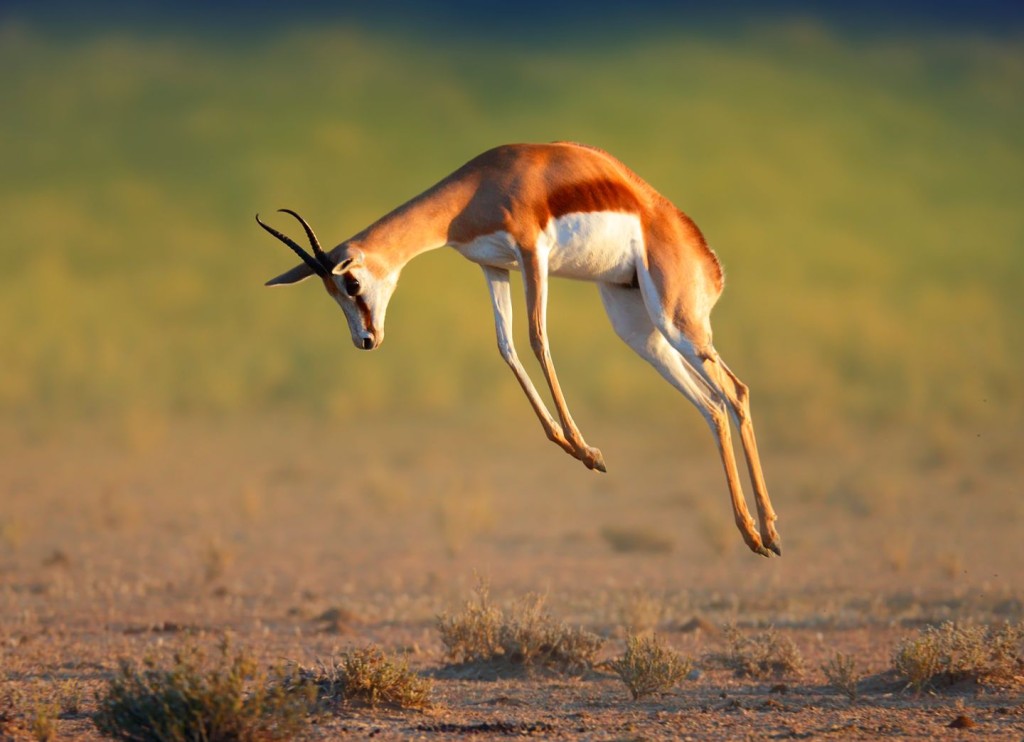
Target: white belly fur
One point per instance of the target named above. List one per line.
(601, 246)
(496, 249)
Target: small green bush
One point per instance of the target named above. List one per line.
(366, 676)
(762, 655)
(951, 653)
(637, 540)
(522, 639)
(223, 700)
(43, 722)
(650, 667)
(841, 672)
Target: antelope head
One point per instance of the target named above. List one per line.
(360, 284)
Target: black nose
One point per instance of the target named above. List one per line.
(367, 343)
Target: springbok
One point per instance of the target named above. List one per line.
(569, 210)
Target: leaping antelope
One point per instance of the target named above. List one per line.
(574, 211)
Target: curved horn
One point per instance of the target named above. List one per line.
(323, 257)
(308, 259)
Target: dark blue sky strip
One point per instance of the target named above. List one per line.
(514, 21)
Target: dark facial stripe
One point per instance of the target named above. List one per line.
(361, 305)
(364, 313)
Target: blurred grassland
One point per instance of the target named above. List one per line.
(866, 199)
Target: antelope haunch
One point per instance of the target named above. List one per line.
(568, 210)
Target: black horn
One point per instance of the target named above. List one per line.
(318, 252)
(320, 265)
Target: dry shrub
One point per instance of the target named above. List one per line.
(637, 540)
(465, 511)
(762, 655)
(951, 653)
(70, 693)
(216, 559)
(29, 713)
(841, 672)
(525, 638)
(228, 698)
(42, 723)
(366, 676)
(641, 613)
(650, 667)
(8, 712)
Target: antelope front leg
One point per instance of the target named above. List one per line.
(501, 302)
(535, 279)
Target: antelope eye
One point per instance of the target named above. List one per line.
(352, 286)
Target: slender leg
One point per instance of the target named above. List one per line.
(501, 301)
(738, 395)
(535, 278)
(632, 323)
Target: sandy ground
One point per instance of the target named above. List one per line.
(302, 539)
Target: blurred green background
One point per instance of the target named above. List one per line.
(861, 184)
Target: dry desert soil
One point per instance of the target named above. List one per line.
(301, 539)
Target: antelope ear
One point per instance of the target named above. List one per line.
(355, 258)
(296, 275)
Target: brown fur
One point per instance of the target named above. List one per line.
(519, 189)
